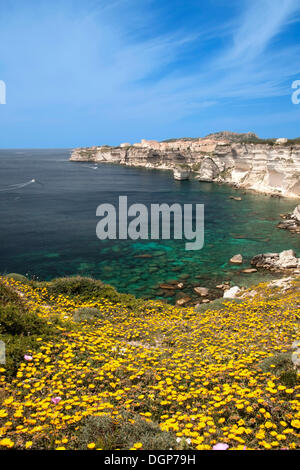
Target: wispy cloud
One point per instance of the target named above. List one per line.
(261, 21)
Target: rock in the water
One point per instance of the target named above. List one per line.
(232, 292)
(166, 286)
(181, 174)
(172, 285)
(291, 221)
(296, 213)
(286, 260)
(203, 291)
(236, 259)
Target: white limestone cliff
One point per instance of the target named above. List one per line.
(270, 167)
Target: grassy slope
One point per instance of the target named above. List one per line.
(145, 374)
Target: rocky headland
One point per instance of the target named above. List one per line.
(269, 166)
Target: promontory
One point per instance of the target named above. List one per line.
(270, 166)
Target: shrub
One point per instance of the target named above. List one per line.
(19, 329)
(120, 433)
(85, 288)
(217, 304)
(281, 365)
(281, 361)
(8, 295)
(87, 313)
(17, 321)
(15, 349)
(18, 277)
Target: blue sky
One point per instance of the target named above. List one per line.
(94, 72)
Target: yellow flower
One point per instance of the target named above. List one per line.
(7, 443)
(296, 423)
(138, 445)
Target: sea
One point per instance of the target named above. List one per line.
(48, 226)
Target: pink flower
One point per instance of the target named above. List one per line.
(220, 446)
(27, 358)
(55, 400)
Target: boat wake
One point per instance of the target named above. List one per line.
(14, 187)
(94, 167)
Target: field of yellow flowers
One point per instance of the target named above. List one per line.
(156, 376)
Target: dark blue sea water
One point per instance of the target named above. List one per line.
(48, 227)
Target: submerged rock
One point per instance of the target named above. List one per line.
(202, 291)
(236, 259)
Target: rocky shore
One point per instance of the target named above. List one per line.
(241, 160)
(291, 221)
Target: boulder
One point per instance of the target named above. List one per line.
(287, 259)
(202, 291)
(183, 301)
(296, 213)
(277, 261)
(231, 293)
(181, 174)
(236, 259)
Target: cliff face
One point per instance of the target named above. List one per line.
(267, 167)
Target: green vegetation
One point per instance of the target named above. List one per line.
(19, 328)
(110, 433)
(148, 375)
(18, 277)
(87, 313)
(87, 289)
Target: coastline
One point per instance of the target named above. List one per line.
(271, 168)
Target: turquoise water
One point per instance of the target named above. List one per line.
(48, 227)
